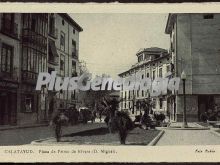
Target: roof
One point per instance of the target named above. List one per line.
(71, 21)
(151, 49)
(136, 65)
(170, 21)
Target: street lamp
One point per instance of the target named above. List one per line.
(183, 77)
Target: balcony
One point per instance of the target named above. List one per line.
(54, 60)
(53, 32)
(29, 36)
(29, 76)
(9, 73)
(9, 28)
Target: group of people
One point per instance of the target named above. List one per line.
(117, 121)
(212, 114)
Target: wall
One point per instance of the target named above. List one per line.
(191, 107)
(205, 54)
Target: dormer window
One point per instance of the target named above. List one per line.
(140, 58)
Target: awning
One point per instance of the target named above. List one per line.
(52, 47)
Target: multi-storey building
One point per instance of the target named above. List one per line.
(63, 57)
(194, 48)
(33, 60)
(152, 62)
(31, 43)
(10, 26)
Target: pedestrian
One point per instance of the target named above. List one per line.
(204, 117)
(59, 120)
(93, 115)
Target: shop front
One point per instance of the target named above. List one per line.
(8, 102)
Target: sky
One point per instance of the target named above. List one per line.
(109, 42)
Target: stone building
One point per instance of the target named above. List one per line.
(31, 43)
(152, 62)
(63, 57)
(10, 32)
(194, 47)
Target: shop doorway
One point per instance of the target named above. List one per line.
(8, 107)
(3, 108)
(205, 102)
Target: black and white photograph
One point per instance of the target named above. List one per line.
(110, 79)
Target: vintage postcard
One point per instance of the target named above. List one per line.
(109, 82)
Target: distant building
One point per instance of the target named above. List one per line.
(152, 62)
(194, 47)
(31, 43)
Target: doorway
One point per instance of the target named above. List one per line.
(204, 103)
(3, 108)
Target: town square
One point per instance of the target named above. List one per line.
(114, 79)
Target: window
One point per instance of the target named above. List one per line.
(73, 95)
(33, 24)
(147, 57)
(154, 103)
(208, 16)
(125, 94)
(125, 105)
(160, 72)
(25, 58)
(142, 76)
(73, 48)
(74, 31)
(140, 58)
(74, 69)
(62, 63)
(52, 25)
(63, 22)
(29, 104)
(148, 75)
(73, 43)
(142, 93)
(161, 103)
(8, 22)
(153, 74)
(62, 41)
(6, 58)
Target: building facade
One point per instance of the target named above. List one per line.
(10, 75)
(194, 47)
(63, 57)
(152, 63)
(31, 43)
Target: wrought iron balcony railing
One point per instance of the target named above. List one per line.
(29, 76)
(53, 60)
(29, 36)
(53, 32)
